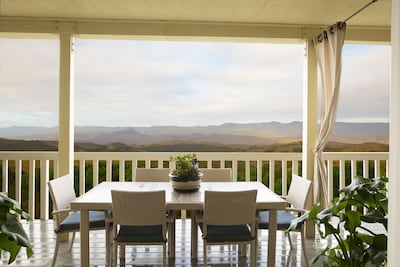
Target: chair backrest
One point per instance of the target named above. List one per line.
(138, 208)
(229, 208)
(216, 175)
(152, 175)
(298, 192)
(62, 191)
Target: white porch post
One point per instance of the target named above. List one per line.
(310, 117)
(394, 142)
(66, 106)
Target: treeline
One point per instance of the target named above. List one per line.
(37, 145)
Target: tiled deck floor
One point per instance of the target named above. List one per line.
(42, 236)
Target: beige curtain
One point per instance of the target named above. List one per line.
(328, 48)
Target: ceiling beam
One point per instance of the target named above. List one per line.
(181, 30)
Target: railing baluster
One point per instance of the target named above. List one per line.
(377, 168)
(342, 174)
(366, 168)
(82, 177)
(235, 170)
(295, 167)
(272, 175)
(353, 169)
(387, 168)
(330, 179)
(4, 186)
(31, 192)
(247, 170)
(95, 172)
(134, 166)
(122, 170)
(18, 178)
(109, 170)
(259, 170)
(44, 191)
(284, 178)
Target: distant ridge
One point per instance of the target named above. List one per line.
(266, 133)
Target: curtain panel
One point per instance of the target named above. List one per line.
(328, 48)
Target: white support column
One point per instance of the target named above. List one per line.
(310, 119)
(394, 142)
(66, 106)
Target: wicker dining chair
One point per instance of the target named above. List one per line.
(160, 175)
(62, 192)
(216, 175)
(152, 175)
(229, 218)
(139, 218)
(297, 197)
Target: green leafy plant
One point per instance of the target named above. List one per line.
(12, 234)
(343, 221)
(186, 165)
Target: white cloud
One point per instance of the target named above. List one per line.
(144, 83)
(365, 84)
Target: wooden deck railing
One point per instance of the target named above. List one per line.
(24, 174)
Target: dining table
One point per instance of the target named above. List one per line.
(99, 198)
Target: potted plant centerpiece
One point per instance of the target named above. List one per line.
(186, 176)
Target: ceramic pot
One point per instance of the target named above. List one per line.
(185, 183)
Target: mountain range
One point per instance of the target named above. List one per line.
(229, 133)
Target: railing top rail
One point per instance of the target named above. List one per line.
(53, 155)
(200, 155)
(28, 155)
(355, 155)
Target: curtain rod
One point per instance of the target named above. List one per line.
(361, 9)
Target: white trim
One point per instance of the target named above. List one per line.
(66, 106)
(394, 142)
(183, 30)
(310, 117)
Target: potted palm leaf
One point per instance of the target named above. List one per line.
(12, 234)
(363, 201)
(186, 176)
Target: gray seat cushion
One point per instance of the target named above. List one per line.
(283, 222)
(72, 222)
(140, 234)
(228, 233)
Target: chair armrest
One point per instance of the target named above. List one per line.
(171, 216)
(57, 212)
(56, 216)
(108, 217)
(296, 210)
(199, 216)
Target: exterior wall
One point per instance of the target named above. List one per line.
(394, 142)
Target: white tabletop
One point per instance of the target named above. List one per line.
(99, 198)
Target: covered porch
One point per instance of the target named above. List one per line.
(250, 21)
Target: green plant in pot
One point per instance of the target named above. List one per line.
(345, 222)
(12, 234)
(186, 176)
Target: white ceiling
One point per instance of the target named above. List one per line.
(292, 12)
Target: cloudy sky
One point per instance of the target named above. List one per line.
(146, 83)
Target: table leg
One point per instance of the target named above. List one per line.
(84, 227)
(193, 236)
(171, 235)
(272, 237)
